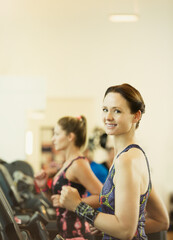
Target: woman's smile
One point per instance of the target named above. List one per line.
(110, 125)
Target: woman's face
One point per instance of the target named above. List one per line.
(60, 138)
(116, 114)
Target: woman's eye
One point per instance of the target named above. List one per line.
(117, 111)
(105, 110)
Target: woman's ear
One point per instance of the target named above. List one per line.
(71, 136)
(137, 116)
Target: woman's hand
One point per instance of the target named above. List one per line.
(69, 198)
(95, 231)
(55, 200)
(41, 179)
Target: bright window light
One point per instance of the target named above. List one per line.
(29, 143)
(123, 18)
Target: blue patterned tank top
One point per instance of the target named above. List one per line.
(107, 199)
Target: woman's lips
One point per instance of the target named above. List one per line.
(110, 125)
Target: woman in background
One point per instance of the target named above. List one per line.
(130, 206)
(70, 137)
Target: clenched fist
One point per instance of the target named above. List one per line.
(55, 200)
(69, 198)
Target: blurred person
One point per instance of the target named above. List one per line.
(98, 169)
(130, 205)
(69, 137)
(53, 166)
(100, 143)
(106, 144)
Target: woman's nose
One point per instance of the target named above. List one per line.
(109, 116)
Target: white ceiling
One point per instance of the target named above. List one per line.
(77, 50)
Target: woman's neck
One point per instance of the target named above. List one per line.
(120, 143)
(72, 153)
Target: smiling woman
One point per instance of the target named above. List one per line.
(130, 205)
(121, 105)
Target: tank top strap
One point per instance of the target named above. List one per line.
(73, 161)
(137, 146)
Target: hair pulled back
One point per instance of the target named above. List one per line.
(131, 94)
(76, 125)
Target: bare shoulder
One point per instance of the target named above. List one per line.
(78, 169)
(131, 155)
(132, 158)
(80, 163)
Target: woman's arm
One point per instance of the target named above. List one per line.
(41, 182)
(83, 174)
(157, 218)
(123, 224)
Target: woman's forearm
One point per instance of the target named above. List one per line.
(92, 200)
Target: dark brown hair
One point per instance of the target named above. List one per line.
(131, 94)
(76, 125)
